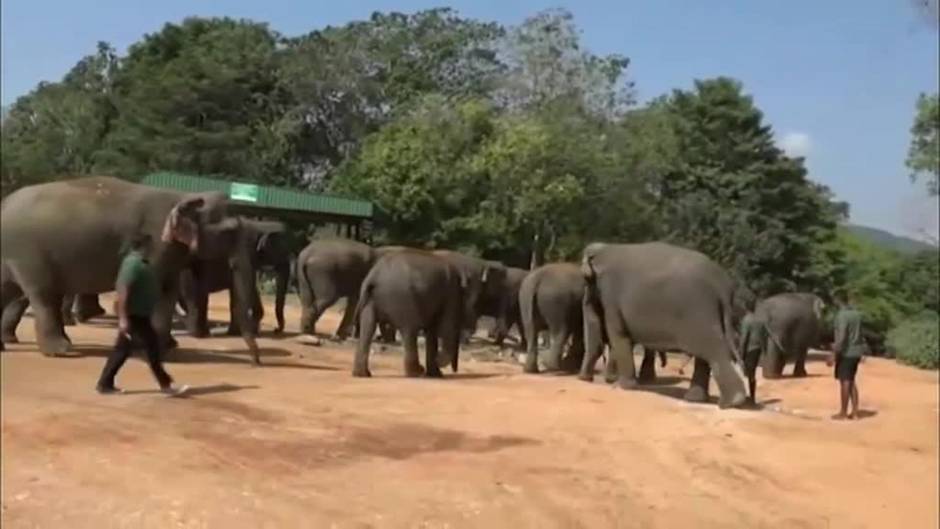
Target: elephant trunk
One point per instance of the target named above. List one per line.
(245, 286)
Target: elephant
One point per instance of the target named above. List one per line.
(269, 249)
(330, 269)
(68, 237)
(794, 324)
(486, 285)
(550, 297)
(665, 297)
(415, 291)
(514, 277)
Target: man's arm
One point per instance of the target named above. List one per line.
(838, 343)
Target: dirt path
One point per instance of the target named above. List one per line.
(300, 443)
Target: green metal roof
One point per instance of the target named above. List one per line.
(264, 197)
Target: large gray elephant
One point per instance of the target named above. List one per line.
(269, 250)
(666, 298)
(330, 269)
(513, 318)
(550, 298)
(794, 324)
(414, 291)
(68, 237)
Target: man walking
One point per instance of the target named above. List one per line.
(847, 351)
(752, 346)
(137, 294)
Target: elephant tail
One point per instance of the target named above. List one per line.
(725, 308)
(527, 309)
(365, 294)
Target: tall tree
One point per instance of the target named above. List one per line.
(57, 129)
(735, 196)
(193, 97)
(923, 156)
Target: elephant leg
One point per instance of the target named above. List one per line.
(366, 332)
(621, 349)
(87, 307)
(68, 319)
(648, 367)
(575, 356)
(342, 331)
(611, 373)
(593, 338)
(12, 314)
(799, 364)
(772, 366)
(560, 337)
(234, 329)
(409, 339)
(50, 332)
(430, 353)
(701, 378)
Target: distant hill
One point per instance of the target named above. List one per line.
(889, 241)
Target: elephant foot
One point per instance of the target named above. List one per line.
(610, 378)
(530, 369)
(9, 338)
(339, 338)
(56, 346)
(626, 383)
(737, 400)
(361, 372)
(587, 377)
(412, 371)
(799, 372)
(68, 320)
(170, 343)
(434, 372)
(768, 375)
(233, 331)
(278, 330)
(82, 317)
(696, 394)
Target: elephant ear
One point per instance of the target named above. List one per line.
(818, 307)
(180, 225)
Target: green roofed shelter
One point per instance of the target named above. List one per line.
(269, 201)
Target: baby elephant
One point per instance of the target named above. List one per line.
(413, 290)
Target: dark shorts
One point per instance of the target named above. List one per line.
(846, 368)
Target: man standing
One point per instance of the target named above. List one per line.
(752, 346)
(847, 351)
(137, 294)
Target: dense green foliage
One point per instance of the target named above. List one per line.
(916, 342)
(923, 157)
(515, 143)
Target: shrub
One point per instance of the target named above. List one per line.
(915, 342)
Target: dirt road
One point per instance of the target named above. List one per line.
(300, 443)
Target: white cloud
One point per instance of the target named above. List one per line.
(796, 144)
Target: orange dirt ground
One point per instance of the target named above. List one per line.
(300, 443)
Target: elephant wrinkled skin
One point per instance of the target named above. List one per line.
(794, 324)
(550, 298)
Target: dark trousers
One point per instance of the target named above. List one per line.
(141, 329)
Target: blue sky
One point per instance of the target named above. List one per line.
(837, 79)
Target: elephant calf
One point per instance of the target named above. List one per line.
(414, 290)
(550, 297)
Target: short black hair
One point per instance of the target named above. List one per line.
(140, 241)
(841, 296)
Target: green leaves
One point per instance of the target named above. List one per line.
(923, 157)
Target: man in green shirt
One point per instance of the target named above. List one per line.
(752, 345)
(137, 293)
(847, 350)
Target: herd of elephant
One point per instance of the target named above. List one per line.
(62, 244)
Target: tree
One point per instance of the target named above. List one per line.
(195, 97)
(732, 194)
(923, 156)
(346, 82)
(547, 64)
(57, 129)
